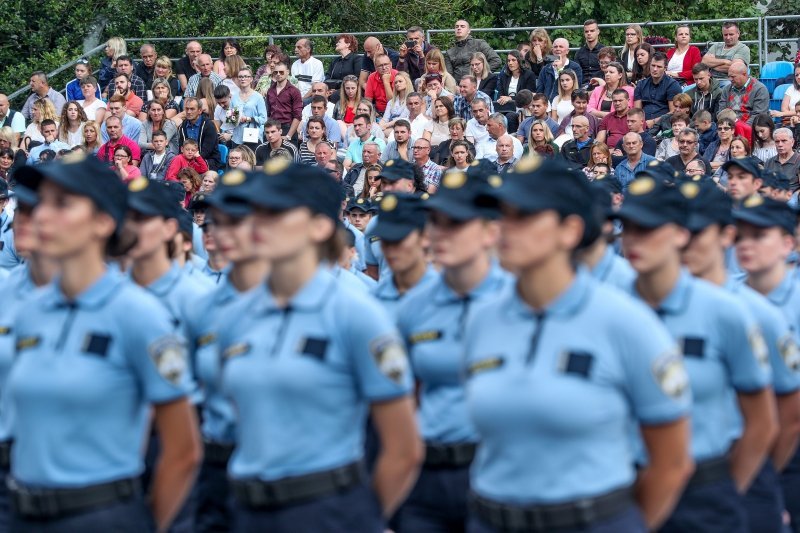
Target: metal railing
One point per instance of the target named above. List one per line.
(767, 40)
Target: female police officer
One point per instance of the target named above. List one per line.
(94, 352)
(302, 366)
(230, 222)
(724, 353)
(431, 320)
(711, 223)
(560, 367)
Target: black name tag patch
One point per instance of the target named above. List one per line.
(97, 344)
(578, 363)
(694, 347)
(313, 347)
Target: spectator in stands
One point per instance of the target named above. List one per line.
(720, 56)
(457, 128)
(615, 124)
(146, 68)
(6, 164)
(349, 97)
(790, 98)
(706, 128)
(379, 89)
(18, 155)
(669, 147)
(635, 125)
(11, 118)
(91, 137)
(284, 101)
(396, 107)
(467, 93)
(787, 161)
(42, 110)
(130, 126)
(70, 127)
(681, 103)
(242, 157)
(416, 115)
(230, 47)
(718, 153)
(115, 47)
(323, 153)
(162, 93)
(412, 57)
(654, 94)
(264, 72)
(401, 146)
(51, 142)
(496, 126)
(319, 105)
(635, 160)
(156, 161)
(371, 189)
(540, 140)
(93, 107)
(163, 71)
(187, 65)
(513, 78)
(706, 92)
(133, 104)
(586, 56)
(682, 57)
(363, 130)
(156, 120)
(457, 58)
(432, 84)
(232, 64)
(191, 181)
(434, 64)
(205, 68)
(600, 102)
(437, 130)
(599, 161)
(641, 70)
(576, 152)
(365, 107)
(307, 68)
(541, 46)
(580, 103)
(356, 176)
(763, 137)
(73, 88)
(687, 148)
(627, 57)
(561, 106)
(136, 85)
(476, 126)
(548, 77)
(123, 164)
(348, 64)
(205, 93)
(314, 134)
(746, 96)
(505, 159)
(431, 172)
(538, 109)
(189, 157)
(116, 137)
(202, 130)
(251, 107)
(319, 88)
(485, 79)
(41, 90)
(605, 57)
(460, 156)
(372, 49)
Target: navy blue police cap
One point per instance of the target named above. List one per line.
(708, 205)
(25, 196)
(151, 198)
(749, 164)
(776, 180)
(652, 202)
(660, 170)
(766, 213)
(176, 189)
(359, 204)
(466, 195)
(397, 169)
(4, 192)
(185, 222)
(84, 175)
(400, 214)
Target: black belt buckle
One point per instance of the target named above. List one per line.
(33, 502)
(585, 511)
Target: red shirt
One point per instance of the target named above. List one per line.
(133, 103)
(179, 162)
(375, 91)
(616, 128)
(286, 105)
(106, 152)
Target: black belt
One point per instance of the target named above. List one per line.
(216, 453)
(449, 455)
(53, 503)
(5, 455)
(256, 493)
(541, 518)
(710, 470)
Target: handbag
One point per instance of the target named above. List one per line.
(250, 135)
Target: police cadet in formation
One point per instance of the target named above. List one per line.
(560, 368)
(398, 176)
(723, 349)
(182, 253)
(431, 320)
(9, 255)
(404, 241)
(363, 207)
(21, 285)
(303, 365)
(711, 223)
(764, 241)
(96, 356)
(230, 221)
(604, 263)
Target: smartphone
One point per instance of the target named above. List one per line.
(411, 44)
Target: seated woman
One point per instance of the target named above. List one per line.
(241, 157)
(682, 57)
(627, 57)
(599, 157)
(372, 182)
(230, 47)
(460, 155)
(115, 47)
(396, 107)
(18, 156)
(641, 69)
(614, 78)
(191, 182)
(347, 64)
(669, 147)
(718, 152)
(41, 110)
(541, 47)
(541, 141)
(349, 97)
(162, 93)
(93, 107)
(205, 92)
(561, 107)
(123, 163)
(163, 71)
(155, 120)
(763, 142)
(265, 70)
(437, 130)
(513, 78)
(435, 64)
(70, 129)
(487, 80)
(315, 134)
(457, 127)
(91, 138)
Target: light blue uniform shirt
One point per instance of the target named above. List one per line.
(360, 244)
(387, 294)
(554, 393)
(373, 253)
(724, 352)
(302, 378)
(8, 252)
(368, 282)
(348, 280)
(614, 270)
(431, 320)
(786, 296)
(197, 242)
(86, 374)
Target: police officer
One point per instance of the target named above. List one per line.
(765, 230)
(9, 258)
(94, 353)
(398, 176)
(362, 206)
(302, 365)
(229, 220)
(711, 223)
(431, 319)
(560, 367)
(724, 352)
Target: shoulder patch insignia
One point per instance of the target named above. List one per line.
(169, 355)
(235, 350)
(205, 340)
(390, 356)
(670, 374)
(759, 347)
(790, 353)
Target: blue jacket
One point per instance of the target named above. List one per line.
(547, 82)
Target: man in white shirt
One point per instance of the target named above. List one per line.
(306, 69)
(318, 88)
(476, 126)
(496, 127)
(416, 115)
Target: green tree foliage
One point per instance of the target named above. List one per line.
(783, 28)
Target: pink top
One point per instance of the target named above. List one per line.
(597, 97)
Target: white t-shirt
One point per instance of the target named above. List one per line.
(476, 132)
(418, 126)
(75, 138)
(440, 132)
(219, 115)
(488, 149)
(794, 96)
(307, 73)
(676, 63)
(563, 108)
(512, 86)
(91, 110)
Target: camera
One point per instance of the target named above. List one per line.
(411, 44)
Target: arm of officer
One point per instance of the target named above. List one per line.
(789, 422)
(181, 455)
(660, 484)
(401, 452)
(760, 429)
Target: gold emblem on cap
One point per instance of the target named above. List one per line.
(276, 165)
(690, 190)
(139, 184)
(641, 186)
(495, 181)
(234, 177)
(475, 163)
(529, 163)
(360, 201)
(754, 200)
(424, 196)
(654, 163)
(76, 156)
(389, 203)
(454, 179)
(389, 163)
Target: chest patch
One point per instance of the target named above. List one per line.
(490, 363)
(577, 363)
(96, 344)
(313, 347)
(694, 347)
(425, 336)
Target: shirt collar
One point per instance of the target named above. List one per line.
(310, 297)
(164, 285)
(94, 296)
(603, 267)
(492, 282)
(780, 294)
(566, 304)
(387, 289)
(678, 297)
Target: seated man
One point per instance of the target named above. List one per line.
(745, 95)
(379, 88)
(577, 151)
(538, 109)
(496, 126)
(635, 160)
(654, 94)
(687, 146)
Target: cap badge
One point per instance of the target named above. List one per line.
(690, 190)
(654, 163)
(495, 181)
(276, 165)
(73, 157)
(641, 186)
(389, 163)
(454, 180)
(234, 177)
(139, 184)
(529, 164)
(752, 201)
(389, 203)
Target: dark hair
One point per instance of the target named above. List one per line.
(523, 98)
(158, 133)
(700, 67)
(730, 24)
(659, 56)
(273, 49)
(124, 149)
(364, 116)
(221, 91)
(7, 152)
(319, 121)
(607, 51)
(454, 144)
(618, 92)
(317, 98)
(447, 102)
(122, 75)
(589, 22)
(762, 120)
(230, 42)
(580, 94)
(521, 62)
(639, 71)
(89, 80)
(403, 123)
(272, 123)
(47, 122)
(677, 117)
(125, 58)
(541, 97)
